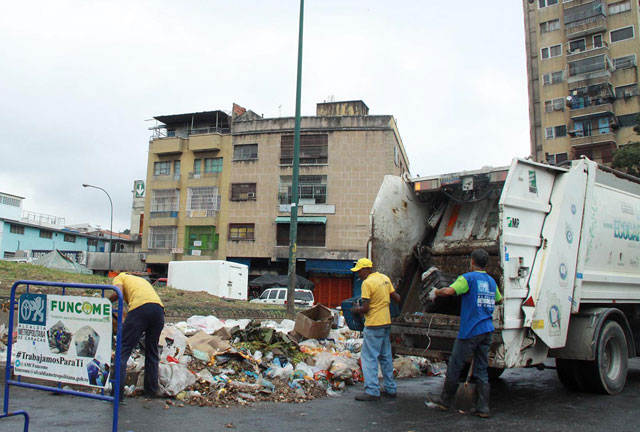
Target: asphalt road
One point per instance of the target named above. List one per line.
(522, 400)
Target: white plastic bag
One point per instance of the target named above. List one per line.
(208, 324)
(173, 342)
(280, 372)
(173, 378)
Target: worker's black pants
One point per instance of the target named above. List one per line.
(478, 346)
(147, 319)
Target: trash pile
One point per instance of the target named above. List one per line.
(208, 362)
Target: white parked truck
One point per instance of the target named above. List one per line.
(564, 245)
(221, 278)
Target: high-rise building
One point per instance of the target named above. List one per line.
(235, 204)
(582, 76)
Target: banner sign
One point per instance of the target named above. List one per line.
(64, 338)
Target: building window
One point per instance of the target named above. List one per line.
(212, 165)
(590, 64)
(554, 105)
(313, 149)
(161, 168)
(69, 238)
(549, 26)
(553, 78)
(555, 132)
(627, 91)
(197, 163)
(163, 238)
(245, 152)
(557, 158)
(628, 120)
(203, 198)
(597, 41)
(621, 34)
(16, 229)
(176, 169)
(546, 3)
(242, 232)
(165, 201)
(313, 235)
(15, 202)
(625, 62)
(577, 45)
(552, 51)
(619, 7)
(311, 190)
(243, 191)
(93, 242)
(46, 234)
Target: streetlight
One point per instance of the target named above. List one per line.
(111, 230)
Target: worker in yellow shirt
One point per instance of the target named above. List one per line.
(146, 315)
(377, 292)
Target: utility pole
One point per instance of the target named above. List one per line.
(293, 232)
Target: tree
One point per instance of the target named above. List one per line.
(627, 159)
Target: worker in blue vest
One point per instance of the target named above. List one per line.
(480, 294)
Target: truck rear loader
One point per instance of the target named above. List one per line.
(564, 245)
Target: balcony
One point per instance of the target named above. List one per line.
(166, 181)
(205, 142)
(580, 142)
(579, 54)
(585, 27)
(166, 146)
(589, 70)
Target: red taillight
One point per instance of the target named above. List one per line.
(285, 302)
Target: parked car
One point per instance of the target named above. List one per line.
(278, 295)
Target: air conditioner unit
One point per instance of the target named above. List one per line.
(251, 194)
(629, 93)
(142, 256)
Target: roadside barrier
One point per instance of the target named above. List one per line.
(47, 326)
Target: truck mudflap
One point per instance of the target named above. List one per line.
(547, 307)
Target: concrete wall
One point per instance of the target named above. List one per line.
(119, 261)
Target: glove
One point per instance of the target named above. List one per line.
(432, 295)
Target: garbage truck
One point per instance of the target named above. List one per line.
(564, 246)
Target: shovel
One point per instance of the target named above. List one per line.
(465, 395)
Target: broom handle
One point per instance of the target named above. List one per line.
(470, 370)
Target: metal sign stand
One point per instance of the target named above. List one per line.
(114, 379)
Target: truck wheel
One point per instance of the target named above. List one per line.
(608, 372)
(494, 373)
(570, 374)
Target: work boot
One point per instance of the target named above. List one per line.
(366, 397)
(482, 400)
(446, 396)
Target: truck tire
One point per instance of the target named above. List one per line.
(570, 374)
(608, 372)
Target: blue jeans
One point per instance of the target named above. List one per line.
(462, 349)
(376, 346)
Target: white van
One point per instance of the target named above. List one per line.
(278, 295)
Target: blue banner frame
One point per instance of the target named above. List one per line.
(115, 379)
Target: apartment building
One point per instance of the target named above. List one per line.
(582, 76)
(187, 183)
(344, 155)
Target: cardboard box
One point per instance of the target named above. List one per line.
(314, 323)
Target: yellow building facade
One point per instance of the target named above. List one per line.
(582, 77)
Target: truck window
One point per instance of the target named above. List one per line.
(264, 295)
(281, 294)
(303, 295)
(273, 294)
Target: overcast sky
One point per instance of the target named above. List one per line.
(79, 79)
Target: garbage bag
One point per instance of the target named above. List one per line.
(208, 324)
(323, 360)
(173, 378)
(342, 368)
(280, 372)
(285, 326)
(405, 368)
(173, 342)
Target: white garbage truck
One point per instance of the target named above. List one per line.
(564, 246)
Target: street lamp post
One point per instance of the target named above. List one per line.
(111, 229)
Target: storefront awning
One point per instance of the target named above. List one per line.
(303, 219)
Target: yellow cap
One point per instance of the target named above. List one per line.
(362, 263)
